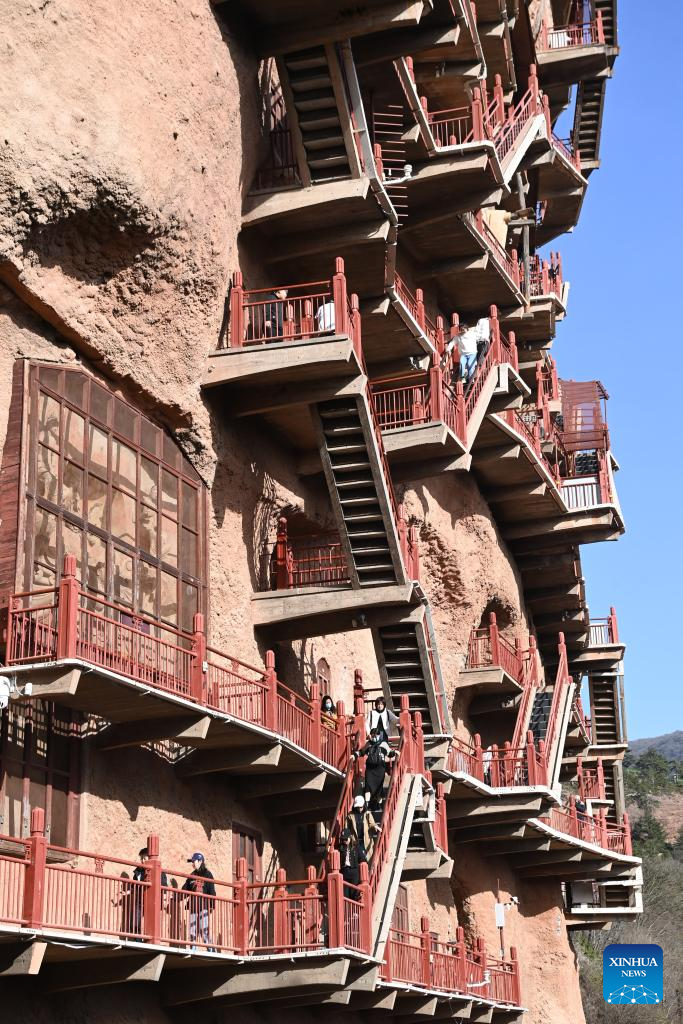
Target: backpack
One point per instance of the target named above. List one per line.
(375, 757)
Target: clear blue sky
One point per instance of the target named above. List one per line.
(624, 328)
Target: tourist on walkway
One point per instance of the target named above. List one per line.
(363, 827)
(201, 900)
(328, 707)
(378, 755)
(382, 719)
(350, 863)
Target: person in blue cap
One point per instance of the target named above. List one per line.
(202, 892)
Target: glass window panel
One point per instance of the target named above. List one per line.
(74, 430)
(148, 530)
(96, 578)
(188, 553)
(48, 420)
(49, 375)
(169, 597)
(149, 436)
(123, 577)
(72, 540)
(97, 502)
(171, 452)
(47, 467)
(149, 481)
(45, 538)
(72, 489)
(123, 516)
(169, 541)
(189, 506)
(189, 597)
(147, 587)
(97, 447)
(124, 466)
(124, 419)
(100, 402)
(74, 388)
(169, 493)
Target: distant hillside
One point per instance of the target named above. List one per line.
(670, 745)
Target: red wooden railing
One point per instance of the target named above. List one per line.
(293, 312)
(414, 303)
(488, 647)
(507, 262)
(561, 37)
(499, 766)
(545, 276)
(71, 623)
(568, 149)
(428, 398)
(591, 780)
(317, 560)
(595, 830)
(562, 681)
(604, 631)
(421, 959)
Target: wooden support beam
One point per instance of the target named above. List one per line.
(237, 759)
(390, 45)
(21, 958)
(580, 869)
(559, 524)
(275, 981)
(331, 238)
(380, 1000)
(362, 20)
(184, 728)
(569, 855)
(109, 970)
(489, 456)
(284, 782)
(461, 265)
(255, 400)
(415, 1006)
(521, 846)
(503, 495)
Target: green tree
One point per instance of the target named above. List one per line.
(649, 837)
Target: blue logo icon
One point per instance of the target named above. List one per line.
(633, 974)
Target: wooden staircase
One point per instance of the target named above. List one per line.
(405, 666)
(359, 491)
(311, 82)
(605, 710)
(590, 102)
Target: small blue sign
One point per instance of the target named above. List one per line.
(633, 974)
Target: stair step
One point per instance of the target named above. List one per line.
(318, 99)
(314, 56)
(324, 139)
(313, 79)
(318, 121)
(335, 429)
(355, 502)
(343, 467)
(346, 449)
(328, 158)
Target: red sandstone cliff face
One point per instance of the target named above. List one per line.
(128, 137)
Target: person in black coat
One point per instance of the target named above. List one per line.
(134, 899)
(202, 892)
(378, 754)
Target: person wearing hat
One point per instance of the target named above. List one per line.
(377, 754)
(363, 828)
(202, 892)
(382, 719)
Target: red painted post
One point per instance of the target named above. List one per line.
(441, 819)
(531, 759)
(359, 721)
(366, 910)
(342, 737)
(152, 902)
(387, 957)
(533, 88)
(288, 320)
(461, 953)
(494, 765)
(237, 311)
(480, 946)
(280, 936)
(460, 412)
(316, 721)
(198, 669)
(34, 875)
(440, 339)
(411, 69)
(602, 828)
(339, 297)
(545, 106)
(420, 308)
(419, 747)
(543, 757)
(271, 699)
(601, 779)
(283, 576)
(436, 389)
(307, 320)
(601, 29)
(402, 528)
(335, 902)
(414, 545)
(355, 324)
(379, 163)
(512, 344)
(574, 829)
(478, 758)
(358, 690)
(613, 632)
(516, 270)
(311, 908)
(405, 724)
(516, 987)
(241, 907)
(498, 96)
(507, 766)
(494, 639)
(426, 944)
(67, 613)
(545, 278)
(628, 845)
(495, 334)
(543, 36)
(581, 781)
(478, 114)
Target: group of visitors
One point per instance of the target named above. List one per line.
(267, 318)
(193, 903)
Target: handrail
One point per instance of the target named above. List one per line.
(423, 959)
(561, 37)
(588, 829)
(507, 262)
(487, 646)
(70, 627)
(545, 276)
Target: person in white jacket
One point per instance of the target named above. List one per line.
(471, 342)
(382, 719)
